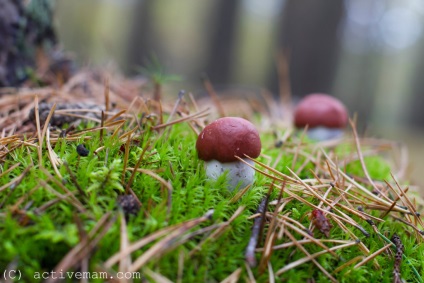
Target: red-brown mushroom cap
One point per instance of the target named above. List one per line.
(226, 138)
(319, 109)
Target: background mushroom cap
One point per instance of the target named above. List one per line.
(320, 109)
(227, 137)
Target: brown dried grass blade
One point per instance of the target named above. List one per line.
(140, 243)
(309, 256)
(106, 94)
(81, 250)
(157, 277)
(37, 124)
(312, 191)
(16, 181)
(46, 124)
(408, 202)
(350, 262)
(251, 277)
(54, 159)
(361, 158)
(155, 176)
(270, 237)
(162, 245)
(369, 194)
(126, 155)
(373, 255)
(364, 249)
(305, 241)
(115, 116)
(124, 263)
(298, 262)
(194, 116)
(212, 94)
(314, 206)
(302, 232)
(221, 228)
(60, 185)
(239, 194)
(13, 167)
(234, 277)
(287, 178)
(134, 170)
(76, 204)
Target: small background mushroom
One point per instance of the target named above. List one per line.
(325, 116)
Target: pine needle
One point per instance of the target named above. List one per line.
(37, 123)
(234, 277)
(162, 245)
(373, 255)
(124, 263)
(158, 278)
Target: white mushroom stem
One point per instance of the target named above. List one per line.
(323, 133)
(239, 174)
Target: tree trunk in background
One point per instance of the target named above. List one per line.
(416, 111)
(309, 32)
(221, 41)
(143, 42)
(356, 85)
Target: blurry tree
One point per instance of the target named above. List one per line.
(219, 31)
(416, 112)
(222, 41)
(142, 42)
(356, 84)
(309, 32)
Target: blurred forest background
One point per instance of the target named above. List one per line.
(370, 54)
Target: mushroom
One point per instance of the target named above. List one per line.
(221, 141)
(325, 116)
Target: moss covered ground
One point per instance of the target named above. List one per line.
(139, 204)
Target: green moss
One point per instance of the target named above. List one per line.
(377, 167)
(47, 236)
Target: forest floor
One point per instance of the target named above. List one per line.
(99, 179)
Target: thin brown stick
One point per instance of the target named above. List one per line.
(258, 222)
(126, 154)
(134, 170)
(200, 114)
(211, 91)
(221, 228)
(81, 250)
(409, 204)
(233, 277)
(159, 247)
(74, 180)
(102, 123)
(270, 236)
(373, 255)
(107, 96)
(293, 239)
(37, 124)
(298, 262)
(361, 158)
(125, 262)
